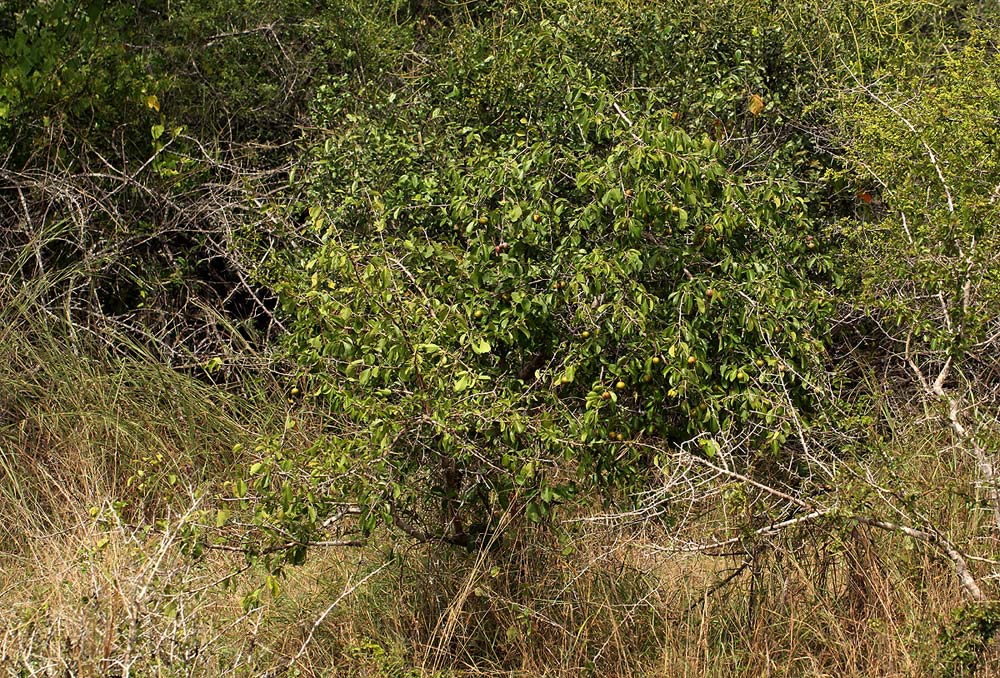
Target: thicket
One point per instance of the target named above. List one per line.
(573, 337)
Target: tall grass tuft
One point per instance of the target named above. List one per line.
(82, 425)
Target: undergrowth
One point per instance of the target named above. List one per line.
(565, 338)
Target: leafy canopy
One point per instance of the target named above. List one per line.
(530, 276)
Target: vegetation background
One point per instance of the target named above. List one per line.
(416, 337)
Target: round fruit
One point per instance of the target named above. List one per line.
(536, 217)
(606, 395)
(483, 220)
(620, 385)
(478, 314)
(709, 293)
(628, 193)
(655, 360)
(674, 209)
(295, 390)
(585, 334)
(692, 360)
(759, 363)
(647, 378)
(620, 436)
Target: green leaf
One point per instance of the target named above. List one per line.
(462, 383)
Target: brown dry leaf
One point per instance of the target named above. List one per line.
(756, 104)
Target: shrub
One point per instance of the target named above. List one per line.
(530, 277)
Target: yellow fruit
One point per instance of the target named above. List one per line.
(536, 217)
(295, 390)
(483, 220)
(692, 360)
(606, 395)
(647, 378)
(628, 193)
(620, 385)
(655, 360)
(585, 334)
(478, 314)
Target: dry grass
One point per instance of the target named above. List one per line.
(85, 432)
(96, 601)
(114, 602)
(78, 428)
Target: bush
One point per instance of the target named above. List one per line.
(530, 278)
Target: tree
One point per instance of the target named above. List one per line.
(515, 294)
(924, 248)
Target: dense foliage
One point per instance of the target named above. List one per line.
(514, 262)
(516, 294)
